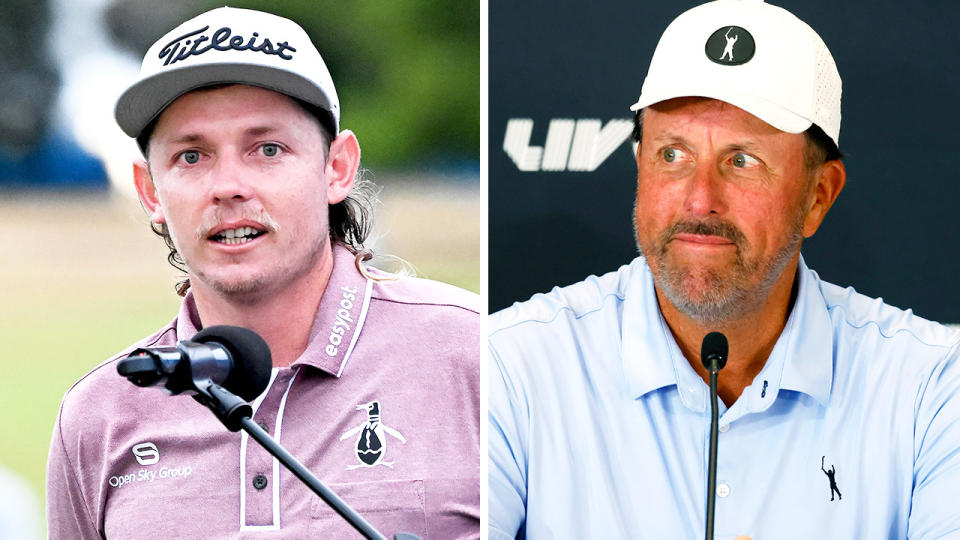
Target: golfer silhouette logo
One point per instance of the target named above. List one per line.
(730, 46)
(832, 475)
(731, 41)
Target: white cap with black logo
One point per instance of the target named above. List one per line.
(228, 46)
(753, 55)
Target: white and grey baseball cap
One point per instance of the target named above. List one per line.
(227, 46)
(758, 57)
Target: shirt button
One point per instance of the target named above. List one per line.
(723, 490)
(259, 481)
(723, 428)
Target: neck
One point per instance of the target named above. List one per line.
(751, 337)
(283, 318)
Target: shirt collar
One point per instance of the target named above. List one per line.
(646, 340)
(801, 360)
(336, 327)
(188, 320)
(340, 317)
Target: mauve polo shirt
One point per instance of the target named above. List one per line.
(129, 462)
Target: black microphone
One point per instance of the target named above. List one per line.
(713, 354)
(235, 358)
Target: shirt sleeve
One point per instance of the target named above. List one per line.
(506, 453)
(934, 512)
(68, 514)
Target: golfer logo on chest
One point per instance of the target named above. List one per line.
(371, 442)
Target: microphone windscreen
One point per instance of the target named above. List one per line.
(251, 358)
(714, 345)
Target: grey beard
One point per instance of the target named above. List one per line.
(724, 298)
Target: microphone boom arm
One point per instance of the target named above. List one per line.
(305, 476)
(236, 414)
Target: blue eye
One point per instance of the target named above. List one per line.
(672, 154)
(191, 156)
(270, 149)
(741, 160)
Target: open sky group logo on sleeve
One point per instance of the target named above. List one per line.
(148, 455)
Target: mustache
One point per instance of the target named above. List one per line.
(219, 215)
(723, 229)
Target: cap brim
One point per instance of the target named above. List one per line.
(146, 99)
(770, 113)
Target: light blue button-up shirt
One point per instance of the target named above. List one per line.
(599, 427)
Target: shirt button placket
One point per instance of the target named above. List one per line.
(730, 474)
(258, 466)
(259, 481)
(723, 490)
(259, 493)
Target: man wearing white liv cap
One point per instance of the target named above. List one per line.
(840, 415)
(251, 182)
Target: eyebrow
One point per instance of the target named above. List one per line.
(185, 139)
(258, 131)
(748, 145)
(669, 137)
(193, 138)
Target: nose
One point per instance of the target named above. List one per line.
(704, 196)
(229, 181)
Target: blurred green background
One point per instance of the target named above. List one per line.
(81, 275)
(408, 73)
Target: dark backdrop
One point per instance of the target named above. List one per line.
(892, 232)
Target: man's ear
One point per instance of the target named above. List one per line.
(831, 177)
(343, 160)
(147, 191)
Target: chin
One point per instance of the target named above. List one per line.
(708, 305)
(706, 295)
(697, 279)
(240, 287)
(237, 287)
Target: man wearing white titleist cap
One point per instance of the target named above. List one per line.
(375, 382)
(839, 414)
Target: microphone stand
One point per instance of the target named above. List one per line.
(713, 355)
(712, 463)
(236, 414)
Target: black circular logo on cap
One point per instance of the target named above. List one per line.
(730, 46)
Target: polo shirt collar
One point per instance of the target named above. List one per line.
(188, 320)
(337, 324)
(340, 317)
(646, 342)
(801, 360)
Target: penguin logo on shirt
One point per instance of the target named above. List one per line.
(371, 443)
